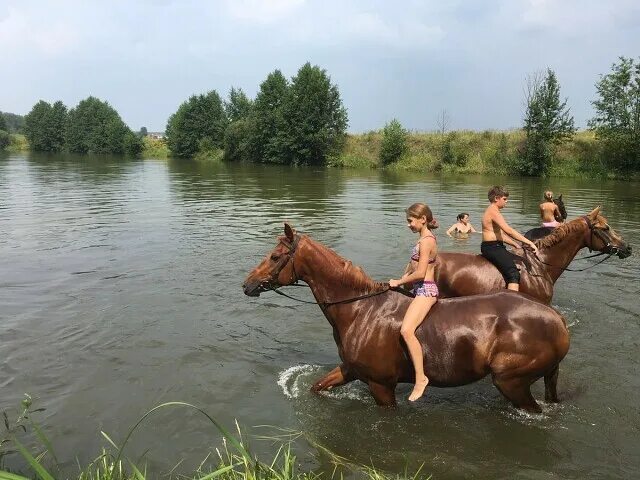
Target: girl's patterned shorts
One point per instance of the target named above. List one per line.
(425, 288)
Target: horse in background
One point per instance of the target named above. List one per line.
(513, 337)
(462, 274)
(540, 232)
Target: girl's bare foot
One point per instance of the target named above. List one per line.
(418, 389)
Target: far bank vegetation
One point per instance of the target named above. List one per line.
(302, 121)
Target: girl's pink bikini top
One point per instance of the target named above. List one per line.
(415, 253)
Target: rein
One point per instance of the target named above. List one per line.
(612, 251)
(567, 269)
(386, 289)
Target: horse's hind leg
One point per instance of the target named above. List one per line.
(518, 391)
(336, 377)
(551, 385)
(384, 395)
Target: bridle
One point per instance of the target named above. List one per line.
(609, 249)
(608, 246)
(273, 284)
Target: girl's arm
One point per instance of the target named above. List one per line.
(426, 247)
(473, 230)
(451, 228)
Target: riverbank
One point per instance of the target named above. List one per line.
(233, 460)
(458, 152)
(469, 152)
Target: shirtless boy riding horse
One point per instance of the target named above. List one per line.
(495, 233)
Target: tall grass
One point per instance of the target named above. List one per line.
(154, 148)
(488, 152)
(18, 143)
(232, 461)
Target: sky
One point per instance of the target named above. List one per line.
(409, 60)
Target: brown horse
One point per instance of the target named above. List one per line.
(511, 336)
(461, 274)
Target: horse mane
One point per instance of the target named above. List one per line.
(559, 233)
(350, 274)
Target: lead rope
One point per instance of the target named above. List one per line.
(340, 302)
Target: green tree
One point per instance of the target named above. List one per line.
(547, 123)
(236, 140)
(238, 106)
(316, 120)
(133, 144)
(200, 121)
(94, 126)
(266, 122)
(3, 123)
(394, 142)
(45, 126)
(15, 123)
(617, 118)
(143, 132)
(5, 139)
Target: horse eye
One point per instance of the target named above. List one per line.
(275, 257)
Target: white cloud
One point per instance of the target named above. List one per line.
(404, 33)
(262, 11)
(21, 29)
(575, 16)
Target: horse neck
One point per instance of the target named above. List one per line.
(331, 279)
(560, 255)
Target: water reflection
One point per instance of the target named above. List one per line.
(120, 288)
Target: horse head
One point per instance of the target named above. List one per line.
(277, 268)
(563, 211)
(603, 238)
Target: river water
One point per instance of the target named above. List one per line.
(120, 289)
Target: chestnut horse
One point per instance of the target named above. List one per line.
(511, 336)
(462, 274)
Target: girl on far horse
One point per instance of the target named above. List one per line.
(549, 211)
(421, 275)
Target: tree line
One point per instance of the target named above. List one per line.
(302, 121)
(297, 121)
(92, 126)
(548, 123)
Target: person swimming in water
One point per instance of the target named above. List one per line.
(462, 228)
(549, 211)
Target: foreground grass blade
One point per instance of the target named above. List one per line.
(11, 476)
(45, 441)
(37, 467)
(229, 437)
(220, 471)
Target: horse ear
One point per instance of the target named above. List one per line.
(594, 213)
(288, 231)
(560, 197)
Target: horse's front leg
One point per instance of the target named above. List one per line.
(384, 395)
(335, 378)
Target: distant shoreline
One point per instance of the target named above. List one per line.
(469, 152)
